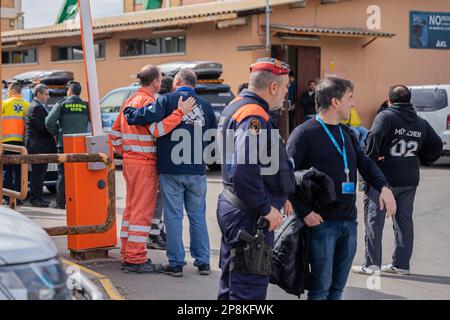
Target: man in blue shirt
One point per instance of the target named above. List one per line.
(182, 170)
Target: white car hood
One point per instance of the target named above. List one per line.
(22, 240)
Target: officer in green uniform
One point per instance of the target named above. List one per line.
(69, 116)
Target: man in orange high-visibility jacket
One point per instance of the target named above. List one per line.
(137, 145)
(13, 115)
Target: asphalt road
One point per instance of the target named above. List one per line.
(430, 278)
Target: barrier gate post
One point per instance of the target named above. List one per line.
(86, 197)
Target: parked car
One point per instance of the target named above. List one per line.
(27, 92)
(56, 80)
(432, 103)
(30, 268)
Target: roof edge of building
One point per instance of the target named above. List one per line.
(190, 14)
(343, 31)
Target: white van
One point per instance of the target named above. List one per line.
(432, 103)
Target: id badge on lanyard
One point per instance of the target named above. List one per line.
(347, 186)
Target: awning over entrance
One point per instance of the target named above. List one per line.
(282, 29)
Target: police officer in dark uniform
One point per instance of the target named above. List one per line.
(69, 116)
(257, 178)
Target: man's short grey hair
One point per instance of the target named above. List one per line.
(330, 88)
(187, 77)
(261, 80)
(40, 88)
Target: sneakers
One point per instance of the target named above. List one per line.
(364, 270)
(390, 268)
(156, 242)
(54, 205)
(174, 271)
(204, 269)
(147, 267)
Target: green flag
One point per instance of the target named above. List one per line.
(68, 11)
(152, 4)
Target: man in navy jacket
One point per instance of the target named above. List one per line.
(182, 170)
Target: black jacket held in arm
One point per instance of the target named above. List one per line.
(290, 262)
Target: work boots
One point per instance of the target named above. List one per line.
(146, 267)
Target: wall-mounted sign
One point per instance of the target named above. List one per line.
(429, 30)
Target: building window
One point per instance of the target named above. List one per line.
(138, 5)
(153, 46)
(76, 52)
(19, 56)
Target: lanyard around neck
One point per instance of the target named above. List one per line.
(342, 151)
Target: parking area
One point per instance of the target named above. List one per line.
(430, 277)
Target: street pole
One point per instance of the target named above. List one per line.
(267, 25)
(87, 37)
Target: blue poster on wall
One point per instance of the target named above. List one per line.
(429, 30)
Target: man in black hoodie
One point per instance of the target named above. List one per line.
(399, 141)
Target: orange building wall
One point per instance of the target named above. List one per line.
(381, 64)
(372, 69)
(189, 2)
(8, 3)
(128, 5)
(5, 26)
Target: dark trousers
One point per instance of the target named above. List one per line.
(61, 184)
(12, 173)
(37, 176)
(403, 227)
(61, 187)
(332, 247)
(12, 177)
(236, 285)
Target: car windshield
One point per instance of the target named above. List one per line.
(53, 100)
(426, 100)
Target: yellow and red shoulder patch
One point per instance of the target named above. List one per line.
(254, 126)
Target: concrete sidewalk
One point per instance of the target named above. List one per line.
(430, 277)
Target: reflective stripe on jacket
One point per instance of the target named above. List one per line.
(14, 111)
(138, 143)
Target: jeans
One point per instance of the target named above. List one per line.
(332, 249)
(188, 191)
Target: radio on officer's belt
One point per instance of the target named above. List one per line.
(252, 255)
